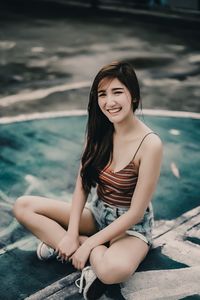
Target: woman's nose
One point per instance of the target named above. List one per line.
(110, 100)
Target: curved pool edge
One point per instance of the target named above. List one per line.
(68, 113)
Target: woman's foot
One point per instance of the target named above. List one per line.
(45, 252)
(90, 285)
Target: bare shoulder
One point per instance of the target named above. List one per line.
(153, 143)
(151, 154)
(154, 140)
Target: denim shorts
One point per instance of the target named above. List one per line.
(105, 214)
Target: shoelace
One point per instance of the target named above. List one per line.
(60, 259)
(79, 282)
(51, 251)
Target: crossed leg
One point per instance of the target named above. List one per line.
(48, 219)
(118, 262)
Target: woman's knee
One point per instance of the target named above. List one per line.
(22, 204)
(111, 272)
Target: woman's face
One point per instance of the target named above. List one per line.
(114, 100)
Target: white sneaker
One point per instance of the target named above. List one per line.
(45, 252)
(89, 284)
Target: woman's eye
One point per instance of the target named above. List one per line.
(102, 95)
(118, 93)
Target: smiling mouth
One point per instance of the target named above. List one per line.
(114, 110)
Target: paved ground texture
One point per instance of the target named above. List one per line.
(47, 59)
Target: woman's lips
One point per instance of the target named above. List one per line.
(114, 110)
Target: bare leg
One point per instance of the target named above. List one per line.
(118, 262)
(48, 219)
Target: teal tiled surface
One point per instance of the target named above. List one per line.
(41, 157)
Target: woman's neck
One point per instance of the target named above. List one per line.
(127, 126)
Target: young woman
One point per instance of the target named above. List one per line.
(122, 160)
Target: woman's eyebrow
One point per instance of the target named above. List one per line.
(117, 89)
(114, 89)
(101, 91)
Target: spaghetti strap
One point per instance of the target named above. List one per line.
(141, 143)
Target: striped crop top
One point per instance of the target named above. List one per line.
(117, 188)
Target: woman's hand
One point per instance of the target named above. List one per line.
(80, 257)
(67, 246)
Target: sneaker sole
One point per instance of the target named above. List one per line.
(39, 251)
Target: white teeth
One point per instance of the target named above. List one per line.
(114, 110)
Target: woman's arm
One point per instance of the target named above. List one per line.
(70, 242)
(78, 202)
(149, 171)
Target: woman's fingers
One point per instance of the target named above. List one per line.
(76, 263)
(61, 256)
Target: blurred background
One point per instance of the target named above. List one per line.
(47, 44)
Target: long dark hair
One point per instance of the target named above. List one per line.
(99, 131)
